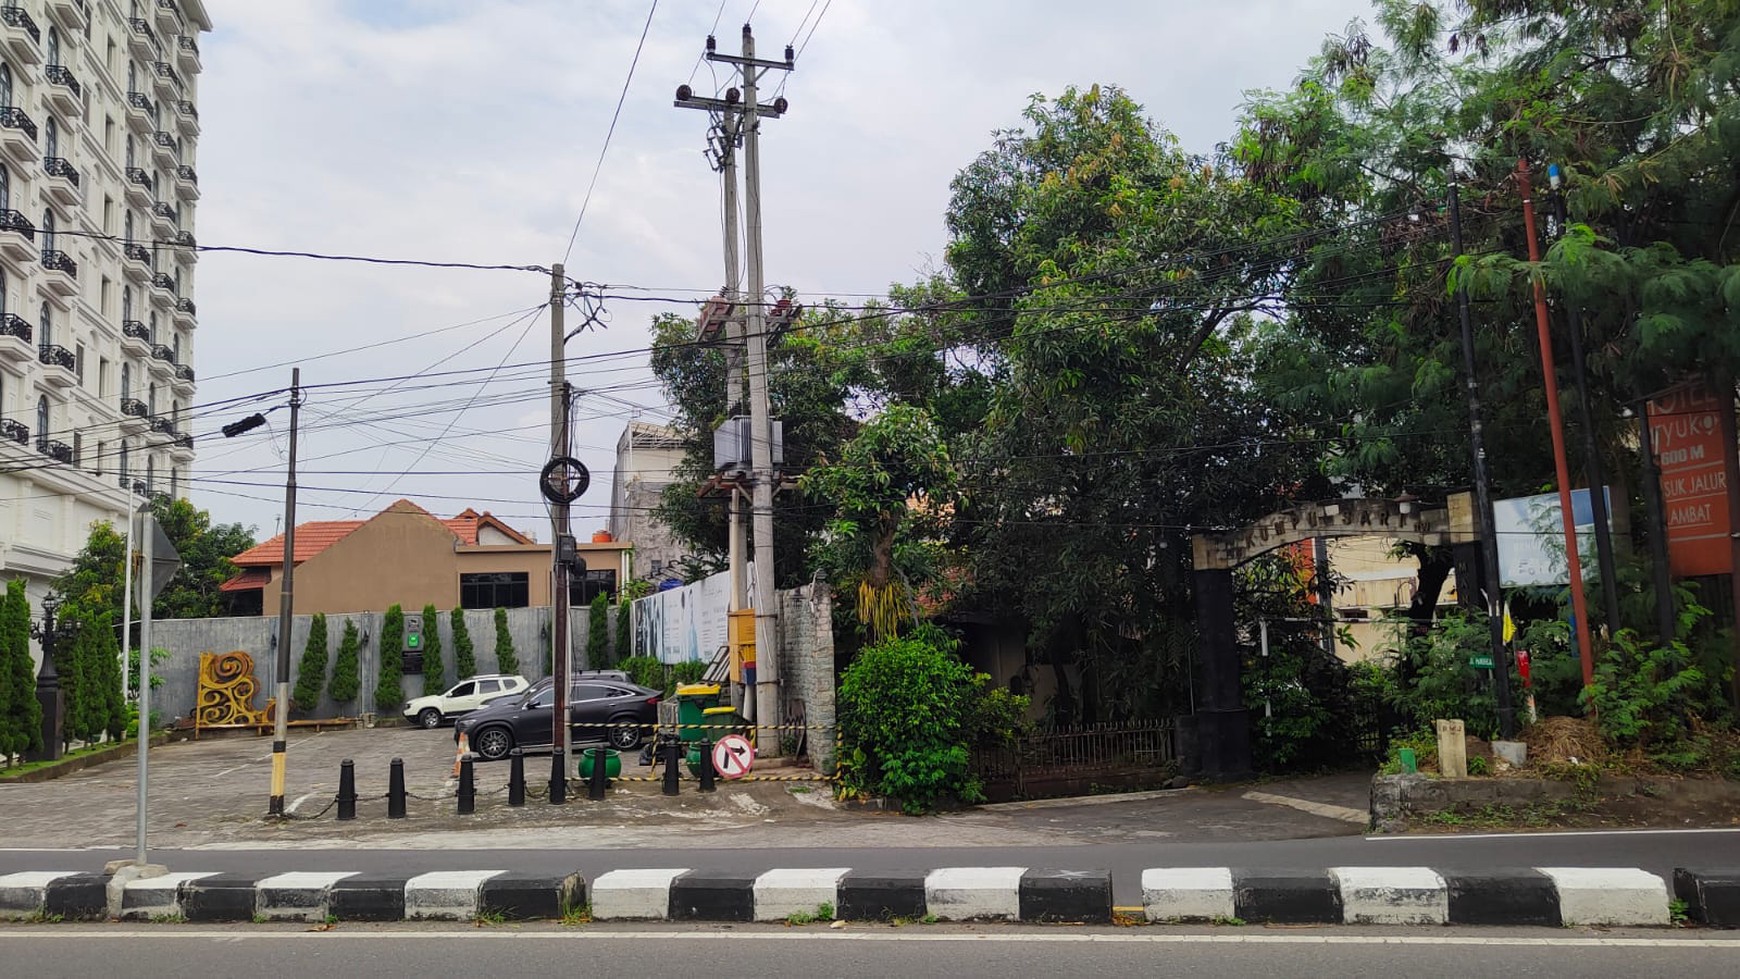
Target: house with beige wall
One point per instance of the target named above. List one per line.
(407, 556)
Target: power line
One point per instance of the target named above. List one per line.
(586, 201)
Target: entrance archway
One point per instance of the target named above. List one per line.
(1221, 724)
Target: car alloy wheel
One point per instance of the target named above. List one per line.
(493, 743)
(627, 737)
(429, 717)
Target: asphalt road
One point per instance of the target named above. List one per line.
(1658, 851)
(172, 950)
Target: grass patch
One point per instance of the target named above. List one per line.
(41, 917)
(1678, 913)
(1535, 815)
(1232, 920)
(489, 916)
(823, 912)
(21, 770)
(581, 915)
(169, 919)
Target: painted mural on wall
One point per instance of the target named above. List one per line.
(684, 624)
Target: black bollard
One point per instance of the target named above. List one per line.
(467, 786)
(599, 781)
(346, 790)
(396, 790)
(558, 777)
(517, 778)
(706, 766)
(673, 759)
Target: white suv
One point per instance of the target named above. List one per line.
(465, 696)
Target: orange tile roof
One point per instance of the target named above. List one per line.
(316, 536)
(250, 578)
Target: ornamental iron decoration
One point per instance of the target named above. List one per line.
(226, 692)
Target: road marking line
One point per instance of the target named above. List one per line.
(298, 803)
(1550, 833)
(1342, 813)
(1010, 935)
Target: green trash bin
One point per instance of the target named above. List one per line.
(693, 702)
(612, 762)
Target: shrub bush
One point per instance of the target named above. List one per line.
(434, 670)
(464, 656)
(909, 712)
(598, 632)
(390, 692)
(506, 660)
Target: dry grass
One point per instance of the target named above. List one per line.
(1559, 740)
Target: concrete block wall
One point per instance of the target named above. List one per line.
(186, 639)
(806, 661)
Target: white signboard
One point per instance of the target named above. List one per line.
(684, 624)
(1531, 538)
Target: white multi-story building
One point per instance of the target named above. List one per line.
(98, 137)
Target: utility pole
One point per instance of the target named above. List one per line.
(148, 531)
(561, 531)
(736, 370)
(747, 112)
(286, 609)
(1556, 423)
(127, 596)
(1608, 568)
(1483, 495)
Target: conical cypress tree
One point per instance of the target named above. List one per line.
(345, 682)
(434, 671)
(390, 692)
(109, 705)
(311, 672)
(464, 658)
(598, 632)
(506, 661)
(20, 714)
(624, 629)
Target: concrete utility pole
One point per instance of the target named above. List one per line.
(736, 370)
(561, 529)
(286, 611)
(147, 530)
(127, 596)
(743, 108)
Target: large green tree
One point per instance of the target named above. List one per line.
(390, 691)
(20, 713)
(94, 581)
(311, 671)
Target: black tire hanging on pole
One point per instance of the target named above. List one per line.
(579, 479)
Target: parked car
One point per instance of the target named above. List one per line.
(593, 700)
(462, 698)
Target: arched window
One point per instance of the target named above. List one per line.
(126, 302)
(123, 461)
(52, 48)
(151, 324)
(46, 314)
(126, 381)
(150, 474)
(130, 151)
(151, 399)
(3, 290)
(175, 414)
(5, 186)
(175, 347)
(50, 138)
(5, 84)
(42, 417)
(48, 229)
(132, 80)
(175, 482)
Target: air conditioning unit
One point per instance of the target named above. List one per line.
(732, 451)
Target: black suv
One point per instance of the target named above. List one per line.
(604, 705)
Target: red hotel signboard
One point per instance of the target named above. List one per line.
(1688, 447)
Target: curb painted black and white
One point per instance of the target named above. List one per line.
(1550, 896)
(1543, 896)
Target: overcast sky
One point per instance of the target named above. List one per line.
(468, 132)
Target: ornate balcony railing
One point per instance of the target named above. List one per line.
(59, 261)
(13, 325)
(55, 355)
(136, 330)
(187, 173)
(137, 253)
(13, 429)
(186, 305)
(139, 100)
(187, 108)
(162, 426)
(163, 210)
(162, 281)
(184, 373)
(185, 239)
(15, 16)
(12, 117)
(184, 441)
(188, 44)
(61, 75)
(56, 166)
(137, 175)
(11, 220)
(165, 70)
(142, 27)
(53, 448)
(162, 352)
(134, 408)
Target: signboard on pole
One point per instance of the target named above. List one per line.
(165, 559)
(1687, 433)
(1531, 548)
(733, 756)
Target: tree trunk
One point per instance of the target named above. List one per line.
(1436, 563)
